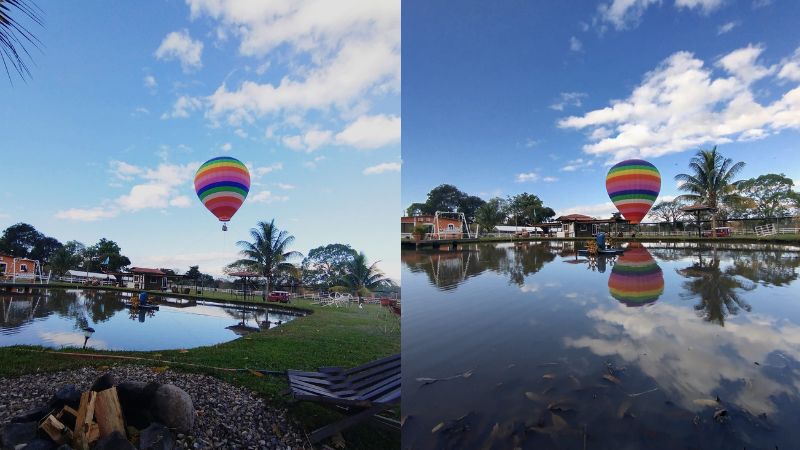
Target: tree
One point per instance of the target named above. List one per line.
(325, 264)
(710, 181)
(468, 205)
(445, 197)
(96, 255)
(491, 214)
(417, 209)
(193, 273)
(358, 276)
(14, 37)
(269, 252)
(667, 210)
(24, 241)
(771, 195)
(526, 209)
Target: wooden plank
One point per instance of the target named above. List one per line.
(57, 431)
(108, 412)
(84, 420)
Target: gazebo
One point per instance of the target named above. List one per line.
(697, 209)
(244, 275)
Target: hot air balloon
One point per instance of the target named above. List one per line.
(636, 279)
(222, 185)
(633, 186)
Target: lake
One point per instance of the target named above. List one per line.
(670, 345)
(55, 318)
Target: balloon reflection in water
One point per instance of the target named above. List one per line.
(636, 279)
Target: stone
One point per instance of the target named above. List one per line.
(40, 444)
(103, 382)
(14, 434)
(156, 437)
(135, 398)
(173, 407)
(33, 415)
(68, 395)
(114, 441)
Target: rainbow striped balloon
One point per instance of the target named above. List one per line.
(633, 186)
(222, 185)
(636, 279)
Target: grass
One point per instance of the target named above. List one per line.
(329, 336)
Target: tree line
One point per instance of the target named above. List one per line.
(522, 209)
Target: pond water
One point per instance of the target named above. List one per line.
(56, 317)
(669, 346)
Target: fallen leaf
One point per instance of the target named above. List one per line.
(160, 369)
(277, 430)
(611, 378)
(256, 373)
(467, 374)
(563, 406)
(549, 376)
(438, 427)
(558, 422)
(705, 402)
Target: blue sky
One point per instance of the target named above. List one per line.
(127, 99)
(505, 97)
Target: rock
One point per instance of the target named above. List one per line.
(68, 395)
(114, 441)
(156, 437)
(40, 444)
(173, 407)
(32, 415)
(14, 434)
(135, 399)
(103, 382)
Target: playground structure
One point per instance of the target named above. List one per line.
(22, 271)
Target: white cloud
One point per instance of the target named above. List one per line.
(267, 197)
(790, 67)
(550, 179)
(761, 3)
(226, 147)
(575, 164)
(181, 201)
(179, 45)
(530, 143)
(263, 170)
(600, 210)
(141, 111)
(341, 53)
(309, 141)
(285, 186)
(726, 27)
(624, 14)
(87, 214)
(575, 45)
(681, 105)
(150, 82)
(568, 99)
(369, 132)
(526, 177)
(382, 168)
(241, 133)
(123, 170)
(182, 107)
(313, 163)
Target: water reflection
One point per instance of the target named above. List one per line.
(562, 361)
(57, 318)
(636, 278)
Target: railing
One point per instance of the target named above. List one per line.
(765, 230)
(789, 231)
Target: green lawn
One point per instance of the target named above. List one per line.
(329, 336)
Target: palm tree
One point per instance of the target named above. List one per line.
(14, 36)
(268, 253)
(359, 276)
(711, 181)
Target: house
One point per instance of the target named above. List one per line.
(147, 279)
(14, 269)
(438, 226)
(579, 225)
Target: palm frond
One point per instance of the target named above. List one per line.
(15, 38)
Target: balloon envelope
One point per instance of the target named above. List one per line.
(222, 185)
(633, 186)
(636, 279)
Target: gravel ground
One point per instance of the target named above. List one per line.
(228, 416)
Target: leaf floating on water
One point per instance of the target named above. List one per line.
(467, 374)
(533, 396)
(511, 366)
(562, 406)
(548, 364)
(549, 376)
(428, 380)
(705, 402)
(611, 378)
(438, 427)
(721, 415)
(425, 380)
(623, 408)
(643, 392)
